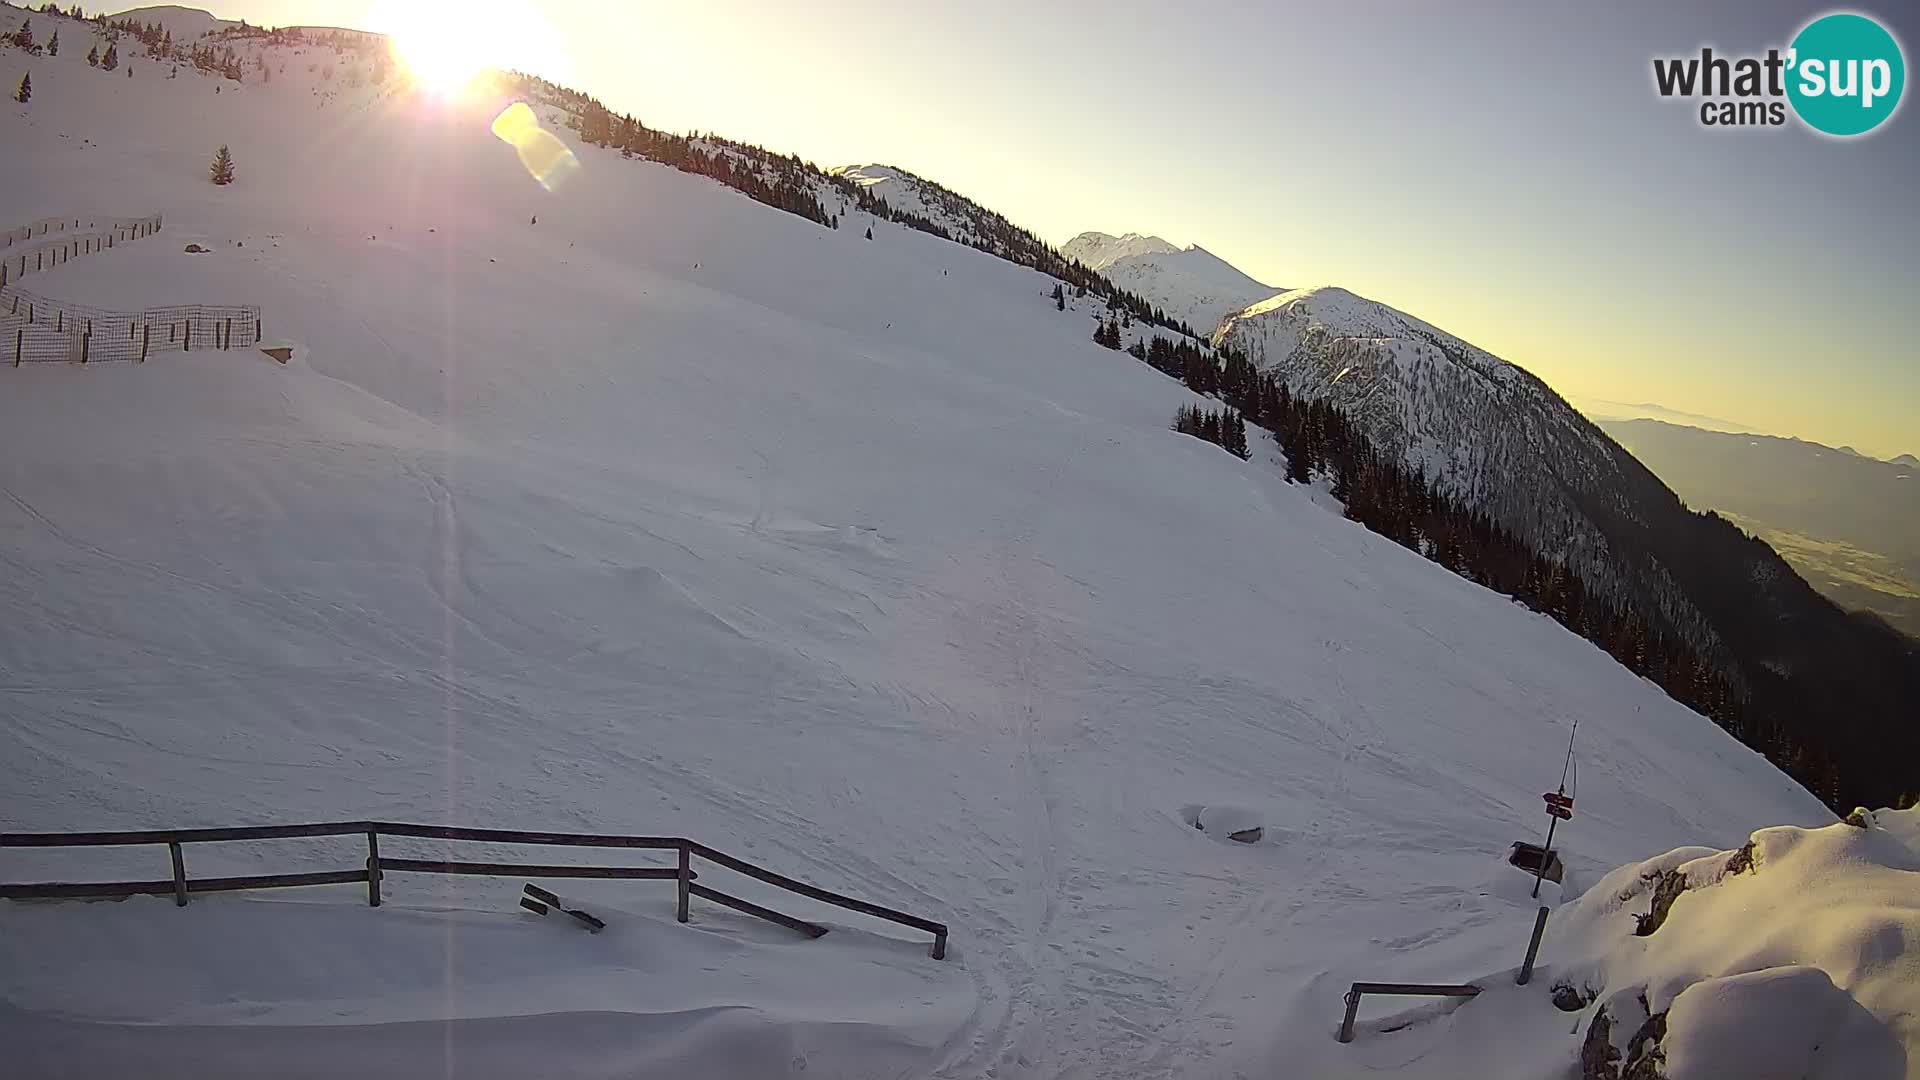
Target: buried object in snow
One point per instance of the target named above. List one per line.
(1232, 822)
(1527, 857)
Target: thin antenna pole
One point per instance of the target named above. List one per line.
(1568, 764)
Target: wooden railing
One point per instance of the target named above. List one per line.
(180, 886)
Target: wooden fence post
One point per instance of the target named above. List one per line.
(17, 335)
(373, 868)
(179, 874)
(685, 880)
(144, 331)
(86, 346)
(228, 343)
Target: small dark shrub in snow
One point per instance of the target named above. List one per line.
(222, 168)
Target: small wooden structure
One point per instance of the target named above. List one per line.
(1528, 857)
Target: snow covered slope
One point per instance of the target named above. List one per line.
(184, 23)
(675, 513)
(1480, 427)
(1191, 284)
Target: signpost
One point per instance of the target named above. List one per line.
(1559, 809)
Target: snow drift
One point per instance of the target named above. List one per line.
(1792, 957)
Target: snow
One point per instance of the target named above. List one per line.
(1813, 940)
(1190, 284)
(676, 514)
(1098, 250)
(1783, 1023)
(184, 23)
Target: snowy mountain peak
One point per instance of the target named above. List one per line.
(871, 174)
(1100, 250)
(1191, 284)
(184, 23)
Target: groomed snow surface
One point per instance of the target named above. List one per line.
(675, 514)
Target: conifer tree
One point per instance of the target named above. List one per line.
(93, 56)
(869, 232)
(222, 168)
(1059, 297)
(53, 44)
(112, 59)
(25, 93)
(23, 37)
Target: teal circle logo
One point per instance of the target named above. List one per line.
(1845, 75)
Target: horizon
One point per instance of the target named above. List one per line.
(1503, 257)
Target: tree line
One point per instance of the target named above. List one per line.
(1382, 493)
(786, 182)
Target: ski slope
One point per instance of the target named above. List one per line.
(671, 513)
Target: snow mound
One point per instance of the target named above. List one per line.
(406, 992)
(1792, 957)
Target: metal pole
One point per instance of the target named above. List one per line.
(1533, 948)
(686, 881)
(1545, 854)
(179, 874)
(1353, 1007)
(373, 869)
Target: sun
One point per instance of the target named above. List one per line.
(444, 45)
(441, 50)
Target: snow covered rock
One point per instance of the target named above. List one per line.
(1792, 957)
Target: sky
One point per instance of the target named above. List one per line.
(1504, 171)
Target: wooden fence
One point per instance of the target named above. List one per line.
(43, 245)
(39, 329)
(180, 886)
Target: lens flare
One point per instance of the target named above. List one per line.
(542, 154)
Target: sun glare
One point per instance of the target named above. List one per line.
(445, 46)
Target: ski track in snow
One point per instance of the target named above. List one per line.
(854, 559)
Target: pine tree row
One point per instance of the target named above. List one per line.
(1223, 428)
(1400, 504)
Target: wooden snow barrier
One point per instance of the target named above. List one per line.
(180, 886)
(1410, 989)
(46, 330)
